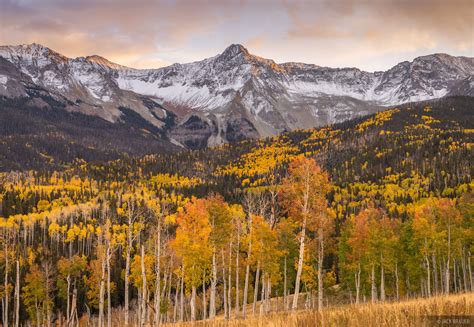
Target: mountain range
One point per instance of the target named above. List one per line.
(232, 96)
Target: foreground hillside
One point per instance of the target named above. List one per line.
(373, 210)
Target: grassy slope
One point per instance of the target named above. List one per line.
(404, 313)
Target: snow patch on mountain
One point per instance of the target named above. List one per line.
(3, 79)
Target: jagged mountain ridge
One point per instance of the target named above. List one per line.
(231, 96)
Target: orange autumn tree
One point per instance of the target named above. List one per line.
(303, 196)
(192, 245)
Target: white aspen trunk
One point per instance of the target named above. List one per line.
(158, 277)
(447, 284)
(423, 287)
(127, 261)
(269, 294)
(262, 295)
(397, 287)
(285, 292)
(144, 288)
(166, 289)
(382, 281)
(442, 276)
(38, 319)
(139, 310)
(357, 283)
(212, 301)
(237, 307)
(408, 285)
(126, 288)
(224, 279)
(302, 240)
(77, 317)
(109, 298)
(374, 287)
(5, 285)
(428, 282)
(193, 303)
(229, 290)
(455, 268)
(48, 293)
(469, 266)
(246, 289)
(73, 307)
(17, 295)
(300, 266)
(175, 307)
(320, 269)
(247, 269)
(101, 294)
(307, 303)
(68, 300)
(463, 267)
(435, 274)
(181, 308)
(204, 302)
(255, 289)
(460, 277)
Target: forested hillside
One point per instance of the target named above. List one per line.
(379, 208)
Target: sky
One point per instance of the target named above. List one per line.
(369, 34)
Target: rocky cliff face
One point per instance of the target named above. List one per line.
(231, 96)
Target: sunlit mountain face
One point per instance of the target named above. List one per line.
(229, 97)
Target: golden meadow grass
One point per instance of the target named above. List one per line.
(405, 313)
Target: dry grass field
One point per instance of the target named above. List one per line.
(404, 313)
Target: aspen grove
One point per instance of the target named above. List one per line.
(304, 220)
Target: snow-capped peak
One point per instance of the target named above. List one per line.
(236, 90)
(32, 54)
(104, 62)
(235, 49)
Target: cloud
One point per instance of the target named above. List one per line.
(113, 29)
(312, 19)
(368, 34)
(388, 25)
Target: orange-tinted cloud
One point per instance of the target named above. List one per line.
(398, 24)
(117, 30)
(370, 34)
